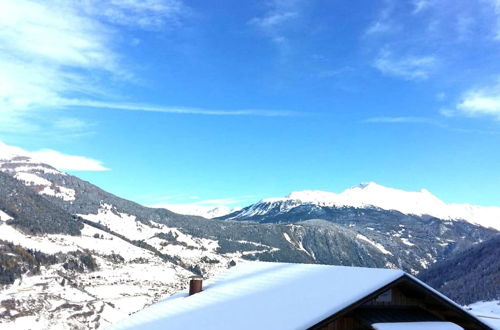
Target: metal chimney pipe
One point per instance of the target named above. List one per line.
(195, 285)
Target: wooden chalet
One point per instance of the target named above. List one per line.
(261, 295)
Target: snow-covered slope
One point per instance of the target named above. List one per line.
(374, 195)
(18, 163)
(487, 311)
(205, 211)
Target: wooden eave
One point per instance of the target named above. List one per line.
(443, 304)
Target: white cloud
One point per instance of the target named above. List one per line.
(408, 67)
(476, 102)
(483, 102)
(52, 49)
(54, 158)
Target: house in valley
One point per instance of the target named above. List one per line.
(262, 295)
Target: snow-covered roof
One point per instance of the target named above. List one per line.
(262, 295)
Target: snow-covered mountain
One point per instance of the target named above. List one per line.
(205, 211)
(371, 194)
(75, 256)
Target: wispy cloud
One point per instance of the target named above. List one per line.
(383, 22)
(54, 158)
(428, 121)
(147, 14)
(177, 110)
(400, 120)
(278, 17)
(69, 123)
(495, 9)
(421, 5)
(409, 67)
(51, 50)
(425, 38)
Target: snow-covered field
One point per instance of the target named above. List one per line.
(59, 299)
(487, 311)
(63, 299)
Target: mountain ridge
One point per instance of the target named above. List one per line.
(371, 194)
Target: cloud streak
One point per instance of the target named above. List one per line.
(400, 120)
(177, 110)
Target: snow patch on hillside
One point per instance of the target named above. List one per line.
(31, 179)
(406, 242)
(38, 168)
(66, 194)
(4, 216)
(379, 246)
(128, 226)
(46, 187)
(170, 241)
(92, 239)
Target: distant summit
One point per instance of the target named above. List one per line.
(371, 194)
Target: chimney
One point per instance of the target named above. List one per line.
(195, 285)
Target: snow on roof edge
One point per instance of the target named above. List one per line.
(268, 290)
(425, 285)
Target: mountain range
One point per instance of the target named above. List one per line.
(86, 257)
(373, 195)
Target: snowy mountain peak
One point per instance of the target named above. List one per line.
(365, 194)
(371, 194)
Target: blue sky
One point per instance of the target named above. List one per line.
(170, 101)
